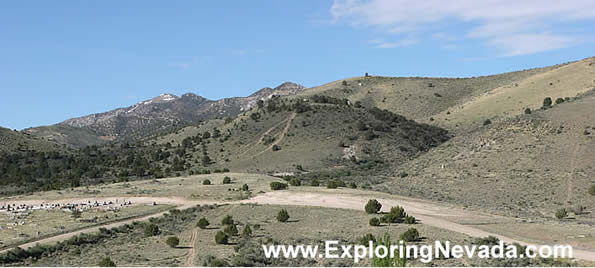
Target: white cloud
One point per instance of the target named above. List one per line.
(379, 43)
(516, 27)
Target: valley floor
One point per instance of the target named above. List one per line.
(189, 192)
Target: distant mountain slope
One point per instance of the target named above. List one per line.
(457, 103)
(530, 164)
(157, 115)
(17, 141)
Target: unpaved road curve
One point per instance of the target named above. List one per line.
(428, 213)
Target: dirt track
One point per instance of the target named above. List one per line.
(428, 213)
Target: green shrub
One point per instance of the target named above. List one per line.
(202, 223)
(561, 213)
(212, 261)
(247, 231)
(295, 182)
(172, 241)
(206, 182)
(227, 180)
(231, 230)
(276, 148)
(315, 182)
(559, 100)
(374, 222)
(592, 190)
(278, 186)
(411, 235)
(221, 238)
(487, 122)
(245, 187)
(283, 216)
(228, 220)
(373, 206)
(547, 102)
(106, 262)
(487, 241)
(398, 211)
(528, 111)
(334, 184)
(389, 218)
(388, 261)
(151, 230)
(365, 240)
(353, 185)
(331, 184)
(409, 220)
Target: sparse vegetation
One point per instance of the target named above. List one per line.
(151, 230)
(283, 215)
(388, 260)
(106, 262)
(547, 102)
(231, 230)
(203, 223)
(172, 241)
(561, 213)
(295, 182)
(409, 220)
(373, 206)
(374, 222)
(247, 232)
(278, 186)
(221, 238)
(365, 240)
(227, 220)
(592, 190)
(411, 235)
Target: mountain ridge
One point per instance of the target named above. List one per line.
(154, 116)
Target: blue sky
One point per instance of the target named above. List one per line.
(63, 59)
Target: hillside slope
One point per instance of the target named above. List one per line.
(288, 135)
(17, 141)
(460, 103)
(530, 164)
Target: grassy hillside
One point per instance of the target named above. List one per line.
(457, 103)
(531, 164)
(328, 134)
(63, 134)
(16, 141)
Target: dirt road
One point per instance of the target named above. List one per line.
(428, 213)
